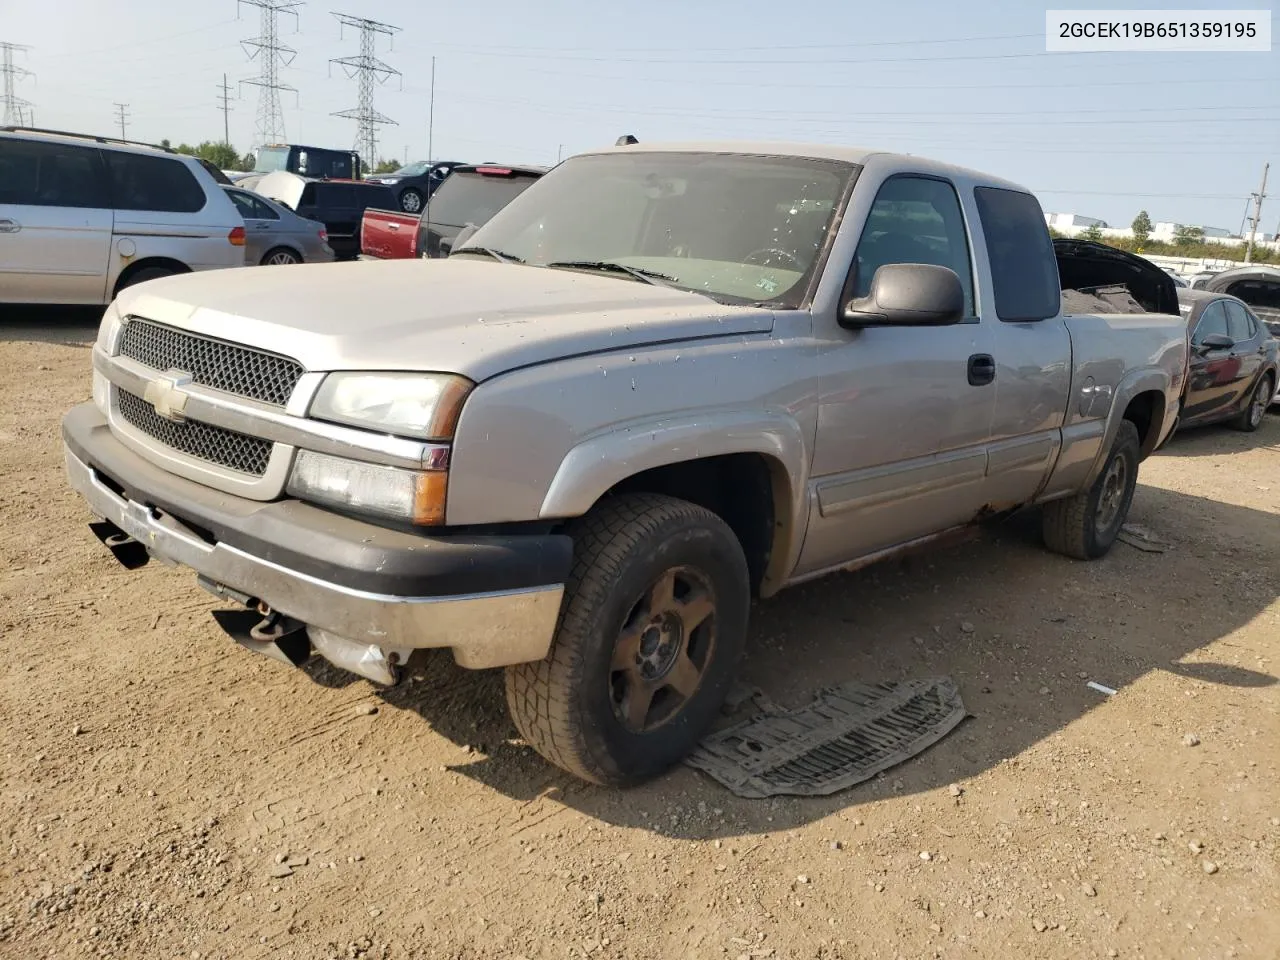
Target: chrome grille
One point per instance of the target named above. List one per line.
(214, 363)
(204, 441)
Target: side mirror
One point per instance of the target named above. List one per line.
(1215, 341)
(909, 295)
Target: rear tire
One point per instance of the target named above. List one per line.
(411, 201)
(651, 630)
(1086, 526)
(1251, 416)
(145, 274)
(280, 256)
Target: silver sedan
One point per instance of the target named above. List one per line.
(275, 235)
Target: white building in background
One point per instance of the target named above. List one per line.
(1066, 222)
(1167, 230)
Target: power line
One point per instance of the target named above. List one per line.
(224, 101)
(13, 104)
(270, 53)
(368, 70)
(122, 117)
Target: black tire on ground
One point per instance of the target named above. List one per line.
(651, 630)
(411, 200)
(279, 256)
(1250, 418)
(1086, 526)
(145, 274)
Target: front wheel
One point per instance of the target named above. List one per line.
(1086, 526)
(1250, 418)
(651, 630)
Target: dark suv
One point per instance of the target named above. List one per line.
(338, 204)
(414, 183)
(468, 197)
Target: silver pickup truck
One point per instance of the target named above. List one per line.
(660, 382)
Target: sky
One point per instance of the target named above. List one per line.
(1181, 135)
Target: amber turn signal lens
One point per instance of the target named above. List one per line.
(429, 498)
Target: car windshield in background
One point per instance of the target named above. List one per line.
(738, 228)
(468, 198)
(412, 169)
(271, 159)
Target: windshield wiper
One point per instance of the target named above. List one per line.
(489, 251)
(609, 266)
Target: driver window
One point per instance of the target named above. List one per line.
(914, 220)
(1213, 320)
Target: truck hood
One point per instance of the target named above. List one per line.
(467, 316)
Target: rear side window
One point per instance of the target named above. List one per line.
(1239, 323)
(1258, 293)
(472, 198)
(156, 184)
(1024, 271)
(43, 174)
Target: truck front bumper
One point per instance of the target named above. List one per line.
(494, 600)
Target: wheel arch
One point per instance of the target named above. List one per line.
(167, 263)
(749, 470)
(290, 248)
(1142, 397)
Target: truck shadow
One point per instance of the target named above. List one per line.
(75, 326)
(1041, 627)
(1219, 438)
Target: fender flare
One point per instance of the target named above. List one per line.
(1142, 380)
(600, 462)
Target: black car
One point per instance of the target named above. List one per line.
(1233, 365)
(338, 204)
(467, 198)
(414, 183)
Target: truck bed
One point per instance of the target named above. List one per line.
(388, 235)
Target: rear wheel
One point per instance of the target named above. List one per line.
(279, 257)
(1251, 416)
(651, 630)
(143, 275)
(411, 201)
(1086, 526)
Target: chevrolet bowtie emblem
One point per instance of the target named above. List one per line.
(165, 393)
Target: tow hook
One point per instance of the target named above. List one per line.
(275, 635)
(131, 553)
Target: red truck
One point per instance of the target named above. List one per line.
(467, 198)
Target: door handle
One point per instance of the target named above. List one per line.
(10, 226)
(982, 369)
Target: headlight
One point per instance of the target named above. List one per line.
(415, 496)
(420, 405)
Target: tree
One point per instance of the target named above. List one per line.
(1094, 233)
(386, 166)
(1187, 235)
(221, 155)
(248, 162)
(1142, 227)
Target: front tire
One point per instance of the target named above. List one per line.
(1086, 526)
(143, 275)
(1250, 418)
(650, 634)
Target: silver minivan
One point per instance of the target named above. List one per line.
(81, 218)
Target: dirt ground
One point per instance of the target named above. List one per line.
(154, 774)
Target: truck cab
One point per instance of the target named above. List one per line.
(318, 162)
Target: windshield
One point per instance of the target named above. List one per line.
(467, 198)
(413, 169)
(738, 228)
(271, 159)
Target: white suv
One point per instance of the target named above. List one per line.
(81, 218)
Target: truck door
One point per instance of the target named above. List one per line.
(904, 413)
(55, 223)
(1032, 347)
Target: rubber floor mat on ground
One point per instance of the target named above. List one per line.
(846, 735)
